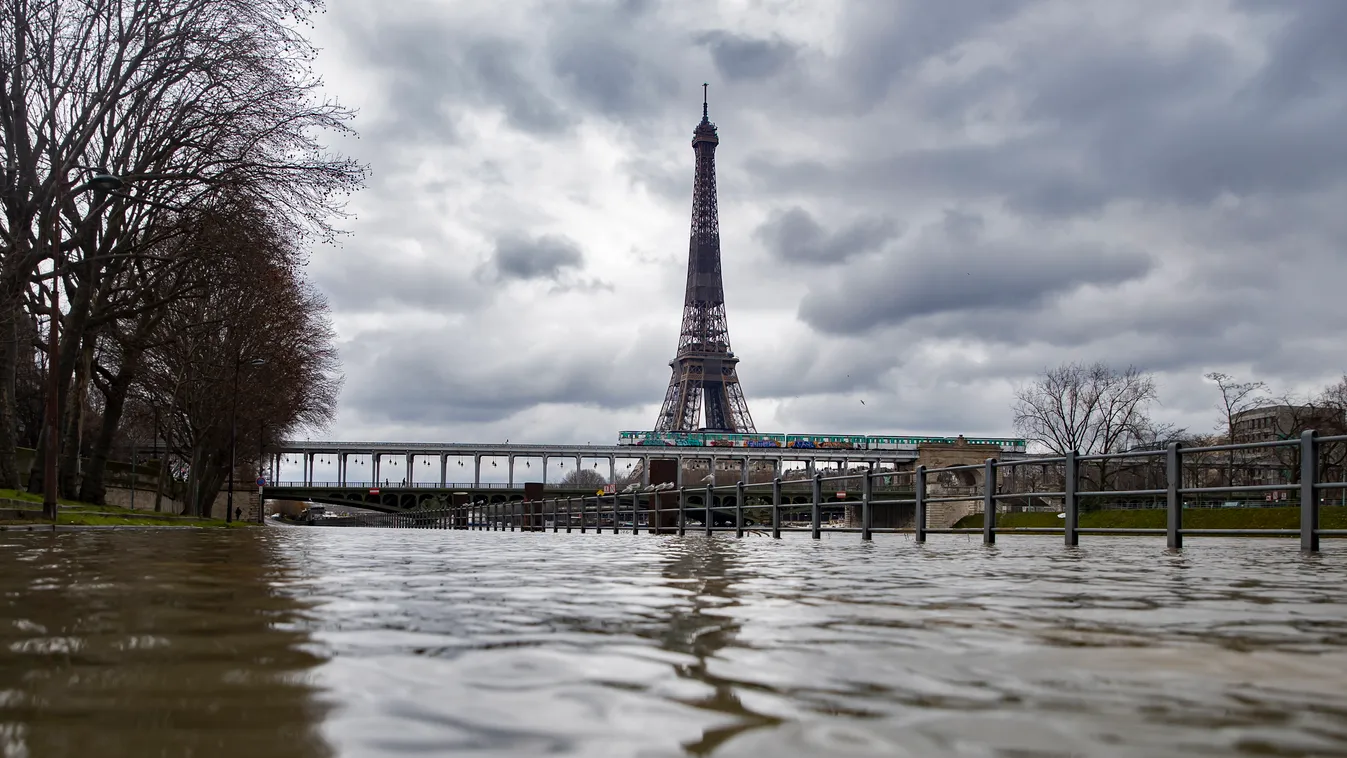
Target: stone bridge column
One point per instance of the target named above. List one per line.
(544, 470)
(341, 469)
(476, 470)
(612, 469)
(645, 471)
(444, 470)
(510, 467)
(411, 467)
(374, 468)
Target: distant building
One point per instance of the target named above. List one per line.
(1269, 423)
(1278, 422)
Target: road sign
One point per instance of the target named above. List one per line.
(841, 495)
(599, 492)
(373, 490)
(609, 489)
(261, 482)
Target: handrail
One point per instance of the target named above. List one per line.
(738, 506)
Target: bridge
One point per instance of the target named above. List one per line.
(677, 466)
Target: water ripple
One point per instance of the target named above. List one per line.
(315, 642)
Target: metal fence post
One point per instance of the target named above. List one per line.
(1309, 498)
(919, 489)
(776, 508)
(816, 514)
(682, 510)
(569, 501)
(1070, 500)
(865, 507)
(739, 509)
(584, 508)
(635, 513)
(989, 502)
(1173, 497)
(710, 498)
(617, 513)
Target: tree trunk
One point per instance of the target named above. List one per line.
(9, 353)
(70, 470)
(92, 489)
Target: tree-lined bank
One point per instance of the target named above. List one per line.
(162, 177)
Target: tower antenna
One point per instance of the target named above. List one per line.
(704, 86)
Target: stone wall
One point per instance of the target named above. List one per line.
(245, 497)
(954, 483)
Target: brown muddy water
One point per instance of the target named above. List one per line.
(360, 642)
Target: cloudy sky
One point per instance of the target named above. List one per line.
(922, 204)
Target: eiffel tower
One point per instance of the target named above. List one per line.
(704, 376)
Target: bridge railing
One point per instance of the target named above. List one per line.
(852, 481)
(1299, 473)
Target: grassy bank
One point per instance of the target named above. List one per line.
(87, 514)
(1330, 517)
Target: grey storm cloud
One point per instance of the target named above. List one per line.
(793, 236)
(741, 57)
(956, 195)
(525, 258)
(952, 269)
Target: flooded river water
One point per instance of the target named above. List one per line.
(308, 642)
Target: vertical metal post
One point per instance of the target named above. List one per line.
(1071, 500)
(616, 517)
(739, 509)
(816, 513)
(710, 498)
(1309, 498)
(1173, 497)
(682, 510)
(919, 488)
(569, 500)
(776, 508)
(635, 513)
(989, 502)
(866, 493)
(583, 521)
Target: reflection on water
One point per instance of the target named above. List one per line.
(308, 642)
(138, 644)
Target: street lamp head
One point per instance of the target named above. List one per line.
(103, 181)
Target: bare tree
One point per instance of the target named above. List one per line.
(1086, 408)
(184, 99)
(583, 477)
(1236, 398)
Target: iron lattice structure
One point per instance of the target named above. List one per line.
(704, 375)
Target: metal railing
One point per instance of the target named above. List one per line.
(666, 509)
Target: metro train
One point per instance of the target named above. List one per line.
(804, 441)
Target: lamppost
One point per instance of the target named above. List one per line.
(233, 435)
(102, 182)
(261, 471)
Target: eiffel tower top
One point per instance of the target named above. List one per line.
(705, 131)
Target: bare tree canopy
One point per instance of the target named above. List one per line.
(1236, 398)
(1089, 409)
(583, 477)
(209, 116)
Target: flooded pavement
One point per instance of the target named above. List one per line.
(324, 642)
